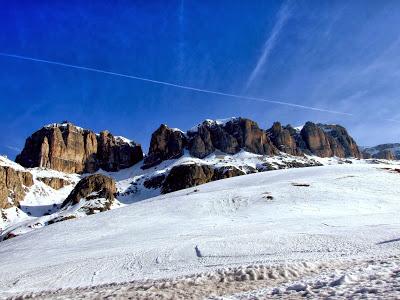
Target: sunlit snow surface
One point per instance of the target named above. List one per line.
(323, 214)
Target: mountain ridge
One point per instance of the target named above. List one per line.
(210, 151)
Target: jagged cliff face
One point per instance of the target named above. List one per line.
(384, 151)
(242, 134)
(329, 140)
(166, 143)
(286, 139)
(13, 184)
(67, 148)
(229, 137)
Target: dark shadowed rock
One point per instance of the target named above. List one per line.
(229, 137)
(285, 139)
(13, 185)
(92, 187)
(226, 172)
(67, 148)
(54, 182)
(189, 175)
(166, 143)
(115, 153)
(185, 176)
(154, 182)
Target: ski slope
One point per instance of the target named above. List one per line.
(323, 214)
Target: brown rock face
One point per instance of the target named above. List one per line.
(166, 143)
(316, 140)
(329, 140)
(185, 176)
(230, 138)
(67, 148)
(115, 154)
(189, 175)
(284, 138)
(54, 182)
(12, 186)
(92, 187)
(240, 133)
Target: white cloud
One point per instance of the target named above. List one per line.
(282, 17)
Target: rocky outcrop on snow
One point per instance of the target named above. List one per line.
(92, 187)
(166, 143)
(314, 139)
(286, 139)
(54, 182)
(13, 184)
(329, 140)
(384, 151)
(71, 149)
(230, 137)
(189, 175)
(236, 134)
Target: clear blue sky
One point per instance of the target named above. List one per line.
(336, 55)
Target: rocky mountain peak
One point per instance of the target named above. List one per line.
(72, 149)
(383, 151)
(235, 134)
(166, 143)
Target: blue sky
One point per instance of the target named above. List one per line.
(335, 55)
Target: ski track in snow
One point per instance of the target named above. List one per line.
(348, 213)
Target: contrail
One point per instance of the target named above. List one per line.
(283, 16)
(184, 87)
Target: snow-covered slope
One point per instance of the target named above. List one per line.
(319, 214)
(42, 204)
(40, 198)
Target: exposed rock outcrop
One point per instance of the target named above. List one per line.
(154, 182)
(92, 187)
(115, 153)
(236, 134)
(286, 139)
(185, 176)
(384, 151)
(54, 182)
(226, 172)
(67, 148)
(13, 184)
(316, 140)
(329, 140)
(189, 175)
(229, 137)
(166, 143)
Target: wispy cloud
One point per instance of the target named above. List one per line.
(15, 149)
(282, 17)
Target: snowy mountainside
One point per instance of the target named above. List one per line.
(42, 204)
(317, 215)
(380, 150)
(40, 199)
